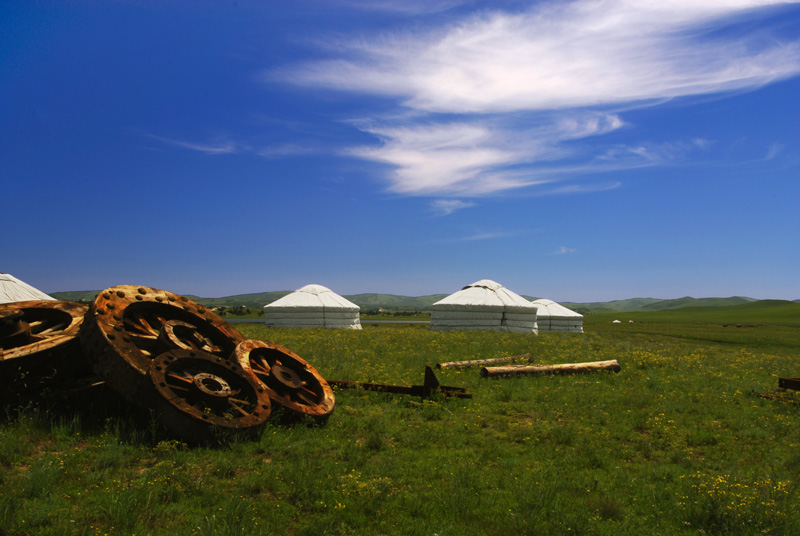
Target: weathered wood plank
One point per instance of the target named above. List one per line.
(479, 362)
(564, 368)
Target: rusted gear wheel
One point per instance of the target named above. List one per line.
(128, 326)
(39, 343)
(288, 378)
(200, 392)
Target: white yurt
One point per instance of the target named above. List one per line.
(484, 305)
(14, 290)
(552, 316)
(312, 306)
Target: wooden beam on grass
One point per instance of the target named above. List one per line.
(564, 368)
(479, 362)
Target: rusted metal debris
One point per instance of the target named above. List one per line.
(39, 345)
(290, 380)
(784, 392)
(426, 390)
(159, 351)
(128, 326)
(789, 383)
(781, 395)
(200, 391)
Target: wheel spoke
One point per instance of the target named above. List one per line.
(180, 378)
(235, 406)
(39, 342)
(143, 337)
(139, 324)
(304, 398)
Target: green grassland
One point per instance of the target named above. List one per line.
(678, 442)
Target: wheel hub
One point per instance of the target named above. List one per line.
(286, 376)
(211, 385)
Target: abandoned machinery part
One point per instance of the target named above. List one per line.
(426, 390)
(290, 381)
(789, 383)
(199, 393)
(39, 344)
(127, 326)
(785, 392)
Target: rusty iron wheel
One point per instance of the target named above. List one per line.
(39, 342)
(290, 381)
(128, 326)
(203, 391)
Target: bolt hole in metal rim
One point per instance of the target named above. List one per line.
(208, 389)
(289, 380)
(139, 323)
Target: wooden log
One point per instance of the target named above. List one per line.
(564, 368)
(478, 362)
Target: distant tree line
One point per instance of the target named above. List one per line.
(392, 312)
(238, 310)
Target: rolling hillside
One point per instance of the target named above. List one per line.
(390, 301)
(652, 304)
(752, 312)
(424, 303)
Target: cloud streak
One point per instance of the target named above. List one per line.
(477, 157)
(230, 147)
(225, 147)
(564, 250)
(496, 94)
(562, 55)
(445, 207)
(480, 236)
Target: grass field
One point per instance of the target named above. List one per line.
(676, 443)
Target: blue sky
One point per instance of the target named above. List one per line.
(579, 151)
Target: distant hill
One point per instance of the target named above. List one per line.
(85, 296)
(633, 304)
(257, 300)
(424, 303)
(755, 311)
(653, 304)
(688, 301)
(254, 301)
(390, 301)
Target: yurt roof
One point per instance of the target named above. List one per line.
(14, 290)
(314, 296)
(551, 308)
(484, 293)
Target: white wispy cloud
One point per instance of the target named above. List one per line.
(230, 147)
(411, 7)
(480, 235)
(477, 157)
(562, 55)
(284, 150)
(446, 207)
(774, 150)
(563, 250)
(572, 189)
(224, 147)
(483, 236)
(475, 237)
(494, 95)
